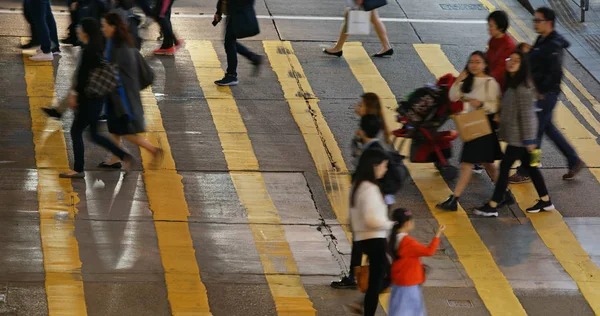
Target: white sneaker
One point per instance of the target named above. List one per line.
(54, 51)
(42, 57)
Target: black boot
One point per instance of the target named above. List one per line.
(451, 204)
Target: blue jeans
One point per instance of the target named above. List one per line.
(44, 24)
(28, 13)
(546, 126)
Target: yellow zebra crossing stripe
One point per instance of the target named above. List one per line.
(185, 291)
(56, 199)
(490, 283)
(280, 268)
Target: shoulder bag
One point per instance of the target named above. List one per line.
(103, 80)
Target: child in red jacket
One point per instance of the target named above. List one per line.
(407, 273)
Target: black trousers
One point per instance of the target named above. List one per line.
(232, 48)
(355, 258)
(511, 155)
(87, 115)
(166, 28)
(379, 267)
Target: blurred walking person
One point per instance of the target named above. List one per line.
(546, 59)
(29, 17)
(408, 274)
(45, 28)
(500, 46)
(170, 43)
(125, 113)
(386, 49)
(241, 23)
(88, 107)
(518, 128)
(370, 225)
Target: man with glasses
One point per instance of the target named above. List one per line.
(545, 58)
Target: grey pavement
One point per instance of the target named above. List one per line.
(118, 245)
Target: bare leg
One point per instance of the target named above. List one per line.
(463, 180)
(492, 171)
(142, 142)
(381, 31)
(343, 36)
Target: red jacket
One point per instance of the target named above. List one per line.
(499, 49)
(408, 269)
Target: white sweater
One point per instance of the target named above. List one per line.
(369, 215)
(490, 95)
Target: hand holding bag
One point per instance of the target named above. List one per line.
(359, 22)
(473, 125)
(103, 80)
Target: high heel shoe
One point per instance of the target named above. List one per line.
(388, 52)
(337, 54)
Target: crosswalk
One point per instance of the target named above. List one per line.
(166, 188)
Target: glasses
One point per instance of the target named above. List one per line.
(539, 20)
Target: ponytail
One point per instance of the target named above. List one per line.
(400, 216)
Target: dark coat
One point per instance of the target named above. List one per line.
(546, 58)
(125, 58)
(223, 7)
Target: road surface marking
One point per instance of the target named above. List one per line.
(491, 284)
(186, 292)
(281, 271)
(319, 139)
(56, 198)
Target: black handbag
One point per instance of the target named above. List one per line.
(244, 22)
(145, 72)
(369, 5)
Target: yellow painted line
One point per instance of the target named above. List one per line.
(56, 198)
(319, 139)
(571, 96)
(491, 284)
(278, 262)
(186, 293)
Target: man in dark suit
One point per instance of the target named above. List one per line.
(234, 9)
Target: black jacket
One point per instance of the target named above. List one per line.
(90, 58)
(546, 59)
(224, 6)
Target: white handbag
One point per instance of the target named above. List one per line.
(359, 22)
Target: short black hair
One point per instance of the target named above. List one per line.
(547, 13)
(501, 20)
(371, 125)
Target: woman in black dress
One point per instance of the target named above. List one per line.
(478, 90)
(87, 108)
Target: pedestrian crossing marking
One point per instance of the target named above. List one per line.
(491, 284)
(56, 198)
(186, 293)
(281, 271)
(319, 139)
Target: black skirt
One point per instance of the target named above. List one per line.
(484, 149)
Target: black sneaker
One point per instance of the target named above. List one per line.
(52, 112)
(56, 51)
(486, 210)
(344, 283)
(29, 45)
(228, 80)
(541, 206)
(451, 204)
(509, 199)
(257, 62)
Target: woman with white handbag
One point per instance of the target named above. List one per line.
(371, 7)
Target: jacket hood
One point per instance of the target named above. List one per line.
(558, 40)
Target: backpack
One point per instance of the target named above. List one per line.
(396, 175)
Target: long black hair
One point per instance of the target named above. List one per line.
(121, 36)
(91, 27)
(400, 216)
(364, 171)
(467, 84)
(522, 76)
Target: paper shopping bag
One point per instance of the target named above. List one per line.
(359, 22)
(473, 125)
